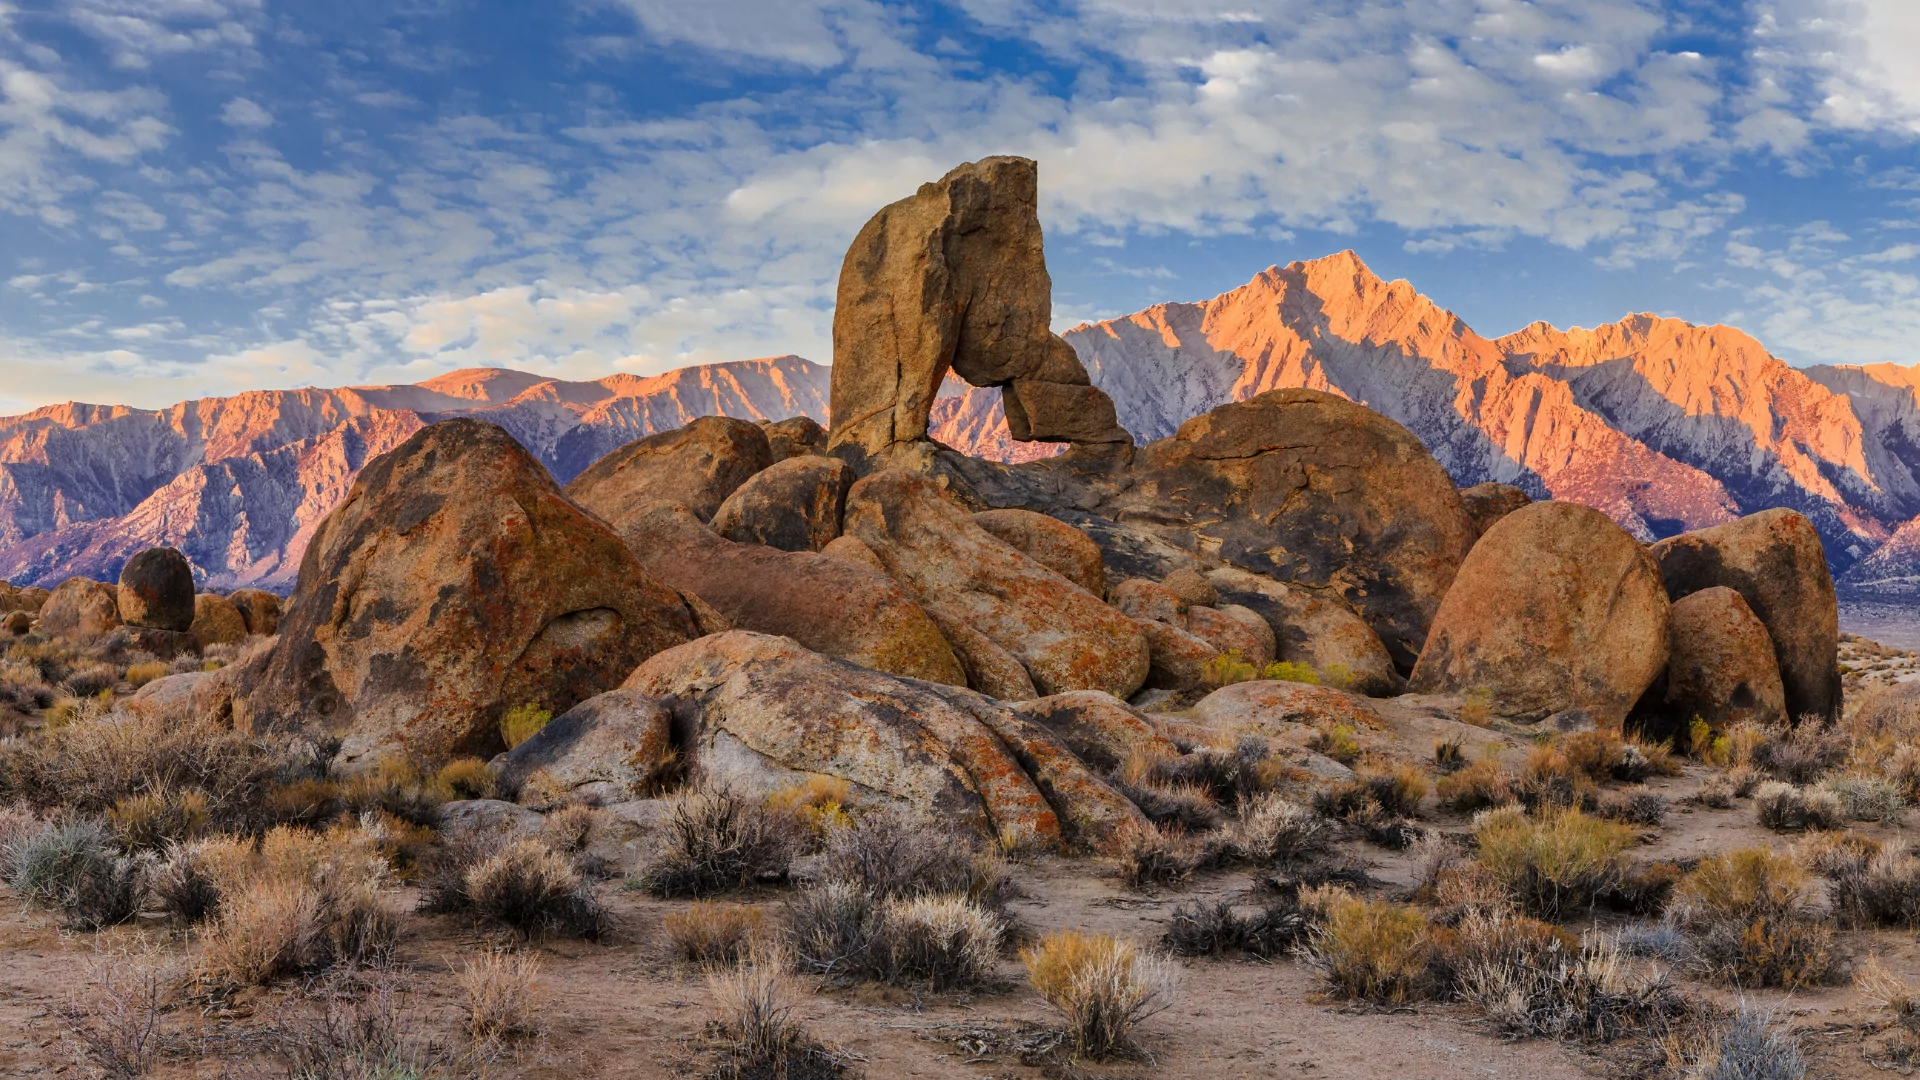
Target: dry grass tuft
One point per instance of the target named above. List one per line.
(1558, 862)
(1104, 987)
(1277, 831)
(534, 890)
(714, 935)
(1785, 808)
(1746, 915)
(464, 778)
(1482, 784)
(1369, 950)
(503, 997)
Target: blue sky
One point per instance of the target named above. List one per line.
(203, 196)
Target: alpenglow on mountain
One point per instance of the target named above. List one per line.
(1663, 425)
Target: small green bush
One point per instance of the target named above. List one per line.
(523, 722)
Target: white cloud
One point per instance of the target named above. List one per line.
(1857, 57)
(245, 114)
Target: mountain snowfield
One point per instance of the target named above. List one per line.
(1662, 424)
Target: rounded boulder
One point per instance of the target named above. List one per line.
(793, 505)
(697, 466)
(83, 610)
(156, 590)
(216, 621)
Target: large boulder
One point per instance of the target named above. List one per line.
(953, 278)
(1311, 628)
(82, 610)
(260, 609)
(697, 466)
(1284, 710)
(764, 713)
(1307, 487)
(13, 598)
(794, 436)
(1721, 669)
(1556, 608)
(610, 748)
(156, 590)
(1774, 560)
(827, 604)
(453, 583)
(793, 505)
(1050, 542)
(1489, 502)
(1064, 636)
(1103, 730)
(216, 621)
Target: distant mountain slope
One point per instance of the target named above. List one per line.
(1662, 424)
(239, 483)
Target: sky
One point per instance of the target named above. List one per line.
(199, 197)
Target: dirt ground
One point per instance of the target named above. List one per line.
(621, 1008)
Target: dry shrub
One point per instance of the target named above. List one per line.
(1744, 1045)
(1449, 755)
(759, 1025)
(1202, 928)
(1238, 769)
(92, 763)
(1882, 889)
(1557, 862)
(1277, 831)
(1533, 980)
(159, 816)
(1785, 808)
(835, 929)
(716, 840)
(1477, 786)
(503, 997)
(74, 868)
(1744, 779)
(1800, 754)
(712, 934)
(303, 902)
(1603, 753)
(139, 675)
(1104, 988)
(464, 778)
(118, 1022)
(943, 942)
(354, 1025)
(1833, 853)
(1374, 795)
(571, 828)
(1631, 808)
(1340, 742)
(395, 786)
(1867, 798)
(1551, 780)
(892, 854)
(1370, 950)
(1902, 768)
(535, 891)
(1150, 856)
(1476, 707)
(1715, 792)
(1902, 1046)
(183, 882)
(1745, 913)
(305, 801)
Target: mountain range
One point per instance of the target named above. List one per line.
(1662, 424)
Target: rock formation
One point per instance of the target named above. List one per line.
(607, 749)
(81, 609)
(1555, 609)
(1721, 669)
(829, 605)
(794, 436)
(156, 590)
(952, 278)
(1488, 502)
(794, 505)
(1064, 636)
(1775, 561)
(216, 621)
(1305, 487)
(697, 466)
(260, 609)
(1052, 543)
(456, 582)
(1318, 631)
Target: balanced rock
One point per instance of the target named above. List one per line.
(697, 466)
(453, 583)
(1064, 636)
(1050, 542)
(83, 610)
(216, 621)
(1312, 629)
(1489, 502)
(828, 605)
(260, 609)
(794, 436)
(953, 278)
(766, 713)
(1307, 487)
(609, 748)
(1721, 669)
(1774, 560)
(1556, 608)
(156, 590)
(793, 505)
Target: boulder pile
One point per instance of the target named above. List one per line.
(764, 605)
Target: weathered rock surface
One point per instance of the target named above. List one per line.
(1268, 706)
(170, 699)
(794, 436)
(1721, 669)
(827, 604)
(1320, 632)
(156, 590)
(455, 582)
(216, 621)
(165, 644)
(1064, 636)
(18, 623)
(1556, 608)
(1050, 542)
(697, 466)
(793, 505)
(260, 609)
(609, 748)
(1489, 502)
(990, 669)
(953, 278)
(81, 610)
(1233, 629)
(1774, 560)
(1103, 730)
(765, 712)
(1307, 487)
(1177, 659)
(13, 598)
(1192, 587)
